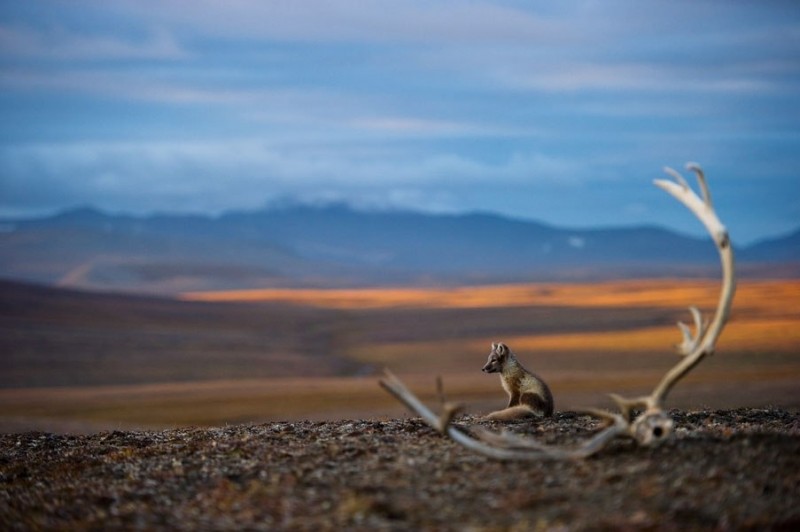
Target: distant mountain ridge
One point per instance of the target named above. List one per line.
(334, 245)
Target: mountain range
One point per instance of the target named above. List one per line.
(335, 245)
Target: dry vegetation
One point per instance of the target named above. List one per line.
(647, 293)
(82, 361)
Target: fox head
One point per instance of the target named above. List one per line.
(497, 358)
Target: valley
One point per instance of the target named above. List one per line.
(87, 361)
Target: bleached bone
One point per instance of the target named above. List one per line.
(642, 419)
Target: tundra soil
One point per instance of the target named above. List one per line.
(721, 469)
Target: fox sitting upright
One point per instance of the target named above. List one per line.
(528, 394)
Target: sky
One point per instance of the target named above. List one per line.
(562, 112)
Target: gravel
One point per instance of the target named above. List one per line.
(732, 469)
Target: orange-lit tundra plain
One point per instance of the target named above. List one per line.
(228, 357)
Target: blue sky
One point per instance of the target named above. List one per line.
(558, 111)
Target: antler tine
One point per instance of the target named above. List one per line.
(627, 406)
(440, 390)
(704, 212)
(677, 176)
(687, 344)
(396, 387)
(449, 410)
(608, 418)
(701, 179)
(691, 340)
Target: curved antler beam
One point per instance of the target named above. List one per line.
(706, 340)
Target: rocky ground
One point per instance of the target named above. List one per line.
(737, 469)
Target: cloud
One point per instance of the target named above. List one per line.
(630, 77)
(398, 126)
(404, 124)
(61, 43)
(375, 21)
(503, 47)
(217, 176)
(133, 86)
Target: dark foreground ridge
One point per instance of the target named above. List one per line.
(722, 469)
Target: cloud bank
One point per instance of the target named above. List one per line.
(557, 111)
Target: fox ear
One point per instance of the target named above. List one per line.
(501, 348)
(494, 346)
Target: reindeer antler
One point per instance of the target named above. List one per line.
(704, 342)
(653, 424)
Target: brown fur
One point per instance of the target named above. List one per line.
(528, 395)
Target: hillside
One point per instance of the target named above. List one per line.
(58, 337)
(337, 246)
